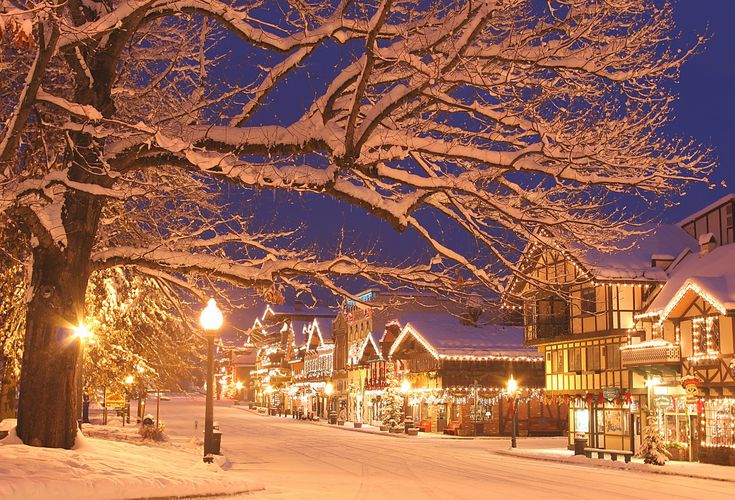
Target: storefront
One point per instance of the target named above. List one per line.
(607, 420)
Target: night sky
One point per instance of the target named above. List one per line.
(705, 111)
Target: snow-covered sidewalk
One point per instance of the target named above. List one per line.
(99, 468)
(672, 468)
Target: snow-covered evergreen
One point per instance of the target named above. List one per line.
(653, 449)
(392, 411)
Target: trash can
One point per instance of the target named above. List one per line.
(580, 443)
(407, 423)
(332, 417)
(216, 442)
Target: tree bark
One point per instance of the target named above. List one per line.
(47, 413)
(48, 389)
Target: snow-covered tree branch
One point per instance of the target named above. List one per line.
(124, 123)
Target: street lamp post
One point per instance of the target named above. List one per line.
(328, 391)
(126, 410)
(82, 334)
(512, 389)
(211, 320)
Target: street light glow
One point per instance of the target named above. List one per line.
(82, 332)
(211, 318)
(129, 379)
(405, 386)
(328, 389)
(512, 385)
(238, 385)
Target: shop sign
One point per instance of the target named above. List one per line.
(662, 401)
(610, 393)
(114, 399)
(691, 386)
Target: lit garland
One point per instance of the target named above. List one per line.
(690, 286)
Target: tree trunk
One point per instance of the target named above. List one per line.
(47, 410)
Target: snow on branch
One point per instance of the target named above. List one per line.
(491, 119)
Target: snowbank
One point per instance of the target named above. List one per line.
(672, 468)
(99, 468)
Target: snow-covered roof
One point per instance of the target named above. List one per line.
(635, 262)
(711, 275)
(448, 336)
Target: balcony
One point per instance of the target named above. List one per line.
(650, 352)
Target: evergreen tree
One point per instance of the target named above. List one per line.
(653, 450)
(392, 400)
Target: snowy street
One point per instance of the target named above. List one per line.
(295, 459)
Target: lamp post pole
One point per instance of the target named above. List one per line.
(83, 334)
(209, 406)
(211, 320)
(512, 389)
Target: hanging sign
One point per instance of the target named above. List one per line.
(610, 393)
(691, 386)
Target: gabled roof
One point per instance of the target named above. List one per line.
(634, 263)
(369, 350)
(711, 276)
(707, 209)
(444, 335)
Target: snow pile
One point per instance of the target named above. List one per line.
(684, 469)
(98, 468)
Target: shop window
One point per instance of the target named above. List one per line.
(719, 422)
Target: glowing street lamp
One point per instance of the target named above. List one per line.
(238, 387)
(512, 389)
(211, 320)
(405, 386)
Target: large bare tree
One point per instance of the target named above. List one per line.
(491, 117)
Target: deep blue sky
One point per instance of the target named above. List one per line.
(705, 111)
(706, 108)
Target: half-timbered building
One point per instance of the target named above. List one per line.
(456, 368)
(681, 352)
(579, 308)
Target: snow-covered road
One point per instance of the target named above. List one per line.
(301, 460)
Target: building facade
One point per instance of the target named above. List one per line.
(624, 334)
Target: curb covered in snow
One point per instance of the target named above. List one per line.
(609, 464)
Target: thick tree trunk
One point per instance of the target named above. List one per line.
(48, 391)
(47, 411)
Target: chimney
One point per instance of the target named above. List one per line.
(707, 243)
